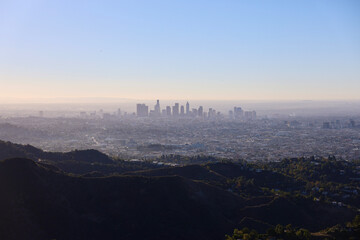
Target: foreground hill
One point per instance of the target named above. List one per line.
(39, 203)
(9, 150)
(90, 162)
(86, 194)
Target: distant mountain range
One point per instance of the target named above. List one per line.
(125, 200)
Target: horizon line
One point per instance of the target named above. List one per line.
(89, 100)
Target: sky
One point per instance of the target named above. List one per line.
(188, 49)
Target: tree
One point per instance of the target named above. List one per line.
(279, 229)
(303, 234)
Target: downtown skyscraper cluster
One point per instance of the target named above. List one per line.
(177, 110)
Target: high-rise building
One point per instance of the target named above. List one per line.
(182, 110)
(142, 110)
(176, 109)
(157, 108)
(200, 111)
(250, 115)
(238, 112)
(326, 125)
(211, 113)
(187, 108)
(352, 123)
(168, 110)
(231, 114)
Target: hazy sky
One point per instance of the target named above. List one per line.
(188, 49)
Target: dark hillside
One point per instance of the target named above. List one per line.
(41, 204)
(298, 212)
(11, 150)
(80, 162)
(194, 172)
(139, 200)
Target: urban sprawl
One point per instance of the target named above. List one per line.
(181, 130)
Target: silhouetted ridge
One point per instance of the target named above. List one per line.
(11, 150)
(192, 202)
(53, 205)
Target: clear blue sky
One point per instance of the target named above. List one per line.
(228, 49)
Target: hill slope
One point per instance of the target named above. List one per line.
(10, 150)
(41, 204)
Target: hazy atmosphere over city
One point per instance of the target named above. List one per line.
(231, 119)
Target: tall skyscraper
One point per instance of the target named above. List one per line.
(238, 112)
(182, 110)
(157, 108)
(352, 123)
(168, 111)
(200, 111)
(142, 110)
(176, 109)
(187, 108)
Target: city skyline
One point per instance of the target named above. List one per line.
(298, 50)
(177, 110)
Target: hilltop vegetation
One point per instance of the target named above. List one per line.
(339, 232)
